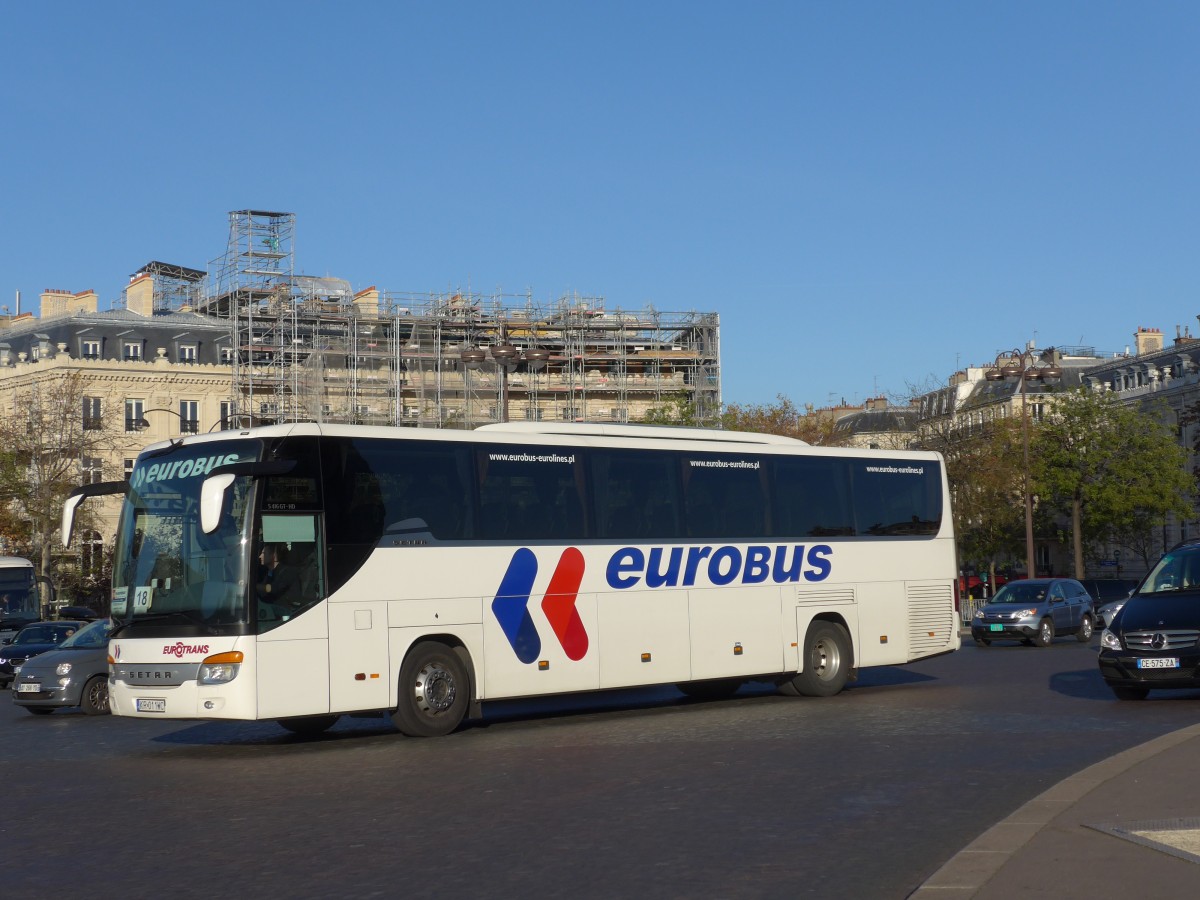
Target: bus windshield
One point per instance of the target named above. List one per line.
(19, 597)
(164, 566)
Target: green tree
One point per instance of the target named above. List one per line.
(1112, 469)
(783, 418)
(984, 469)
(678, 409)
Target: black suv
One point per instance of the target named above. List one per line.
(1153, 642)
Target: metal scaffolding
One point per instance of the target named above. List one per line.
(309, 349)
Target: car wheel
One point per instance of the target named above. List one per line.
(94, 699)
(1086, 630)
(1129, 693)
(1045, 635)
(716, 689)
(434, 691)
(827, 661)
(308, 726)
(40, 710)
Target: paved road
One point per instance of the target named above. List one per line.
(636, 794)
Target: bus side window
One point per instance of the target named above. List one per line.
(635, 495)
(811, 498)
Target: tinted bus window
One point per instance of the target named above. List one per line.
(811, 497)
(897, 497)
(635, 495)
(410, 490)
(724, 496)
(530, 494)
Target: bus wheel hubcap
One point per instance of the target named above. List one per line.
(825, 659)
(435, 689)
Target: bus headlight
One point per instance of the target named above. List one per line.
(221, 668)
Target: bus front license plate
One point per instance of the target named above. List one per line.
(147, 705)
(996, 627)
(1167, 662)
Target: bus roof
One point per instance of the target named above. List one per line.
(661, 432)
(14, 562)
(552, 434)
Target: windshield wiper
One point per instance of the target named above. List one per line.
(158, 617)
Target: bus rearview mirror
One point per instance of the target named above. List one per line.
(80, 494)
(68, 518)
(212, 500)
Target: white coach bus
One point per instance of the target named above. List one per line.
(423, 572)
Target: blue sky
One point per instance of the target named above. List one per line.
(871, 194)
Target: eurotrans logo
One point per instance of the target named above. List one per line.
(179, 649)
(629, 567)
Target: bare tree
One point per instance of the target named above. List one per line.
(49, 444)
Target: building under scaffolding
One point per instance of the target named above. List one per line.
(310, 349)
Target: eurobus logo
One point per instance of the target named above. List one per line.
(511, 605)
(629, 567)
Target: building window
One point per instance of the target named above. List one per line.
(226, 415)
(90, 348)
(134, 410)
(227, 355)
(132, 351)
(93, 469)
(91, 414)
(189, 416)
(187, 353)
(91, 557)
(128, 468)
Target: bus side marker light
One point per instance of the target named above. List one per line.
(543, 665)
(883, 639)
(737, 649)
(360, 676)
(645, 657)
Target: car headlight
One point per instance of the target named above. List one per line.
(63, 669)
(1025, 613)
(220, 668)
(1109, 641)
(979, 614)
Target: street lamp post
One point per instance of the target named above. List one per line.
(505, 357)
(183, 423)
(1017, 365)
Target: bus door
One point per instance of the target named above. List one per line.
(288, 584)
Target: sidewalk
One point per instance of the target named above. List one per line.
(1128, 826)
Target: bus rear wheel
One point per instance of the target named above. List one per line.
(434, 691)
(827, 661)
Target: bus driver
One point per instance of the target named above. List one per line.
(278, 581)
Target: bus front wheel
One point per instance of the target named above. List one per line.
(434, 691)
(827, 661)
